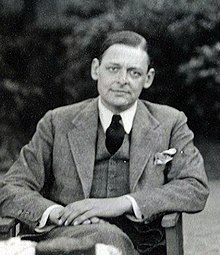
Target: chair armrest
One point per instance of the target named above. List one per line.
(170, 220)
(174, 233)
(9, 227)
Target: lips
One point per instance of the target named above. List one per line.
(120, 91)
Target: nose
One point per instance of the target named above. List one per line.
(123, 77)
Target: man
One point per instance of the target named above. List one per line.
(113, 159)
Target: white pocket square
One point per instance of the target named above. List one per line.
(161, 158)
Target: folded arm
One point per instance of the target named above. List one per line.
(21, 187)
(186, 186)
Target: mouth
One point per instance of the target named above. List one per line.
(118, 91)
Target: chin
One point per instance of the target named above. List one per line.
(122, 107)
(120, 104)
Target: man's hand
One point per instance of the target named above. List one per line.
(93, 220)
(81, 211)
(54, 217)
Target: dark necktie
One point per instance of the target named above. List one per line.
(114, 135)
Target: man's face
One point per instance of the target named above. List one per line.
(121, 76)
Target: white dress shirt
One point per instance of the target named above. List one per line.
(127, 116)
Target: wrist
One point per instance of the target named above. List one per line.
(125, 204)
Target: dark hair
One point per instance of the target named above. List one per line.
(129, 38)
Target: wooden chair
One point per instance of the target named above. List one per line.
(171, 222)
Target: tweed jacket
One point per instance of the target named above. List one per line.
(57, 164)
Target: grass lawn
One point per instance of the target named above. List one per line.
(202, 230)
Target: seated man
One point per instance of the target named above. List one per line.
(97, 170)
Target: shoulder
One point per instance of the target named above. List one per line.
(61, 117)
(70, 110)
(169, 118)
(164, 114)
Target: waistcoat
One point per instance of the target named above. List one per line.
(111, 172)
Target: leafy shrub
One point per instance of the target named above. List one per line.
(202, 88)
(46, 63)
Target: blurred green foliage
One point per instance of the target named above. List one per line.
(46, 48)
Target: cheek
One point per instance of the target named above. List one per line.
(136, 89)
(103, 88)
(105, 82)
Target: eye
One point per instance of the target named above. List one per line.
(113, 69)
(135, 73)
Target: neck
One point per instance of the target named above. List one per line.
(118, 109)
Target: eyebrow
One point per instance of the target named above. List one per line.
(131, 67)
(112, 63)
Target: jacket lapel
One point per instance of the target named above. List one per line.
(145, 135)
(82, 140)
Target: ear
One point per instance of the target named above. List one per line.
(149, 78)
(95, 69)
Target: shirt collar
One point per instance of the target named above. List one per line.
(127, 116)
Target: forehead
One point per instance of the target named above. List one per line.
(124, 54)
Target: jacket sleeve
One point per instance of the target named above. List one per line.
(21, 189)
(186, 185)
